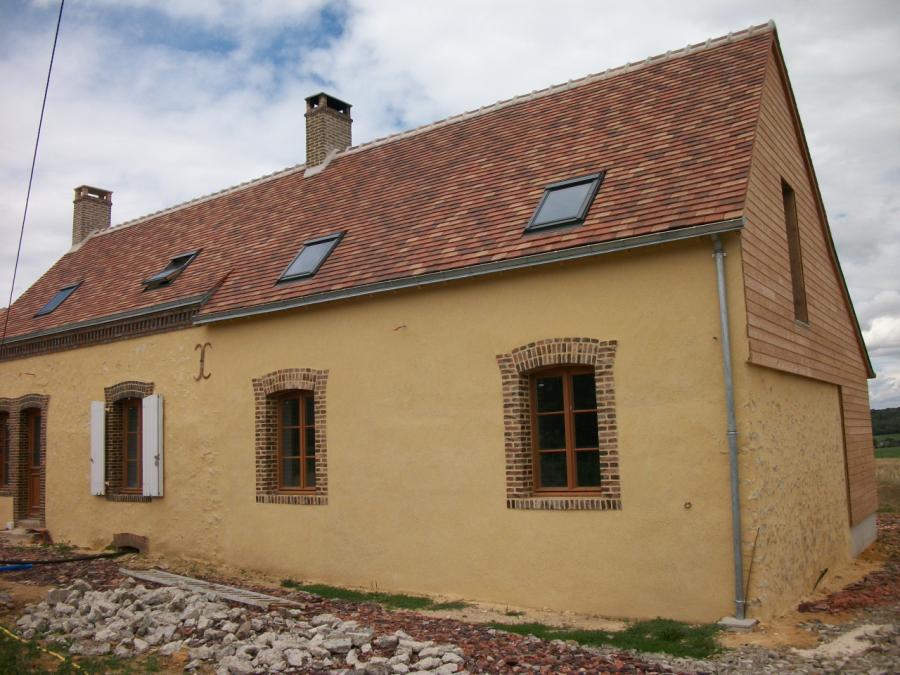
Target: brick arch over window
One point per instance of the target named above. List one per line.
(516, 368)
(115, 451)
(265, 392)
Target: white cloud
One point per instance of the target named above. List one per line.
(164, 100)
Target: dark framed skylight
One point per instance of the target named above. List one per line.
(173, 269)
(311, 257)
(566, 202)
(58, 299)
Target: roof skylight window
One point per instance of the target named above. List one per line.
(311, 257)
(566, 202)
(58, 299)
(173, 269)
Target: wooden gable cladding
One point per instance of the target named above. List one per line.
(828, 347)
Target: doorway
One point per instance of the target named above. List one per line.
(34, 462)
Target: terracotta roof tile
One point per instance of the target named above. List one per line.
(674, 136)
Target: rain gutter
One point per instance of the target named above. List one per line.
(473, 271)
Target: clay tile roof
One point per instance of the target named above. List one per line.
(673, 133)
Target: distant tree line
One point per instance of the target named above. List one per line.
(886, 421)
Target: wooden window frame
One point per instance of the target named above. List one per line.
(5, 459)
(795, 253)
(302, 396)
(124, 405)
(567, 373)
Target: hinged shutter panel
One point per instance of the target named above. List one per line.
(152, 440)
(98, 448)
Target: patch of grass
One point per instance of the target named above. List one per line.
(453, 604)
(658, 635)
(391, 600)
(888, 453)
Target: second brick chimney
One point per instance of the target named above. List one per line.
(327, 127)
(93, 212)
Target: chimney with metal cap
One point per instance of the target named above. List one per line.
(93, 212)
(327, 127)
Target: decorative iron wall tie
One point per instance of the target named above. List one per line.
(202, 375)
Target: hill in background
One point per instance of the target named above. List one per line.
(886, 421)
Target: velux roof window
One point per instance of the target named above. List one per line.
(58, 299)
(566, 202)
(173, 269)
(311, 257)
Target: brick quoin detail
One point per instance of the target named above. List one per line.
(115, 453)
(515, 370)
(7, 417)
(265, 389)
(16, 408)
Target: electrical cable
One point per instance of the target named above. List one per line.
(37, 140)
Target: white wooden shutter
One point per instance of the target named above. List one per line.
(152, 440)
(98, 448)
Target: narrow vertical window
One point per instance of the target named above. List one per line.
(4, 450)
(565, 433)
(132, 444)
(796, 260)
(296, 441)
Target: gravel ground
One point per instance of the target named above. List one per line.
(874, 603)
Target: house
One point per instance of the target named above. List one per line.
(588, 349)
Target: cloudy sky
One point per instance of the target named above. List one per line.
(165, 100)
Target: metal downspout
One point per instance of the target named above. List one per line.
(740, 601)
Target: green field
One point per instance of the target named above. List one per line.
(890, 446)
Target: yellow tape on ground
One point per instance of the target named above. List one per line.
(46, 651)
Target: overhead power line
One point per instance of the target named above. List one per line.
(37, 141)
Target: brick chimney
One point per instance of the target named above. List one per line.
(93, 210)
(327, 127)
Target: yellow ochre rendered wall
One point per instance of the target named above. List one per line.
(416, 461)
(6, 511)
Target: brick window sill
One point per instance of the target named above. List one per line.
(128, 498)
(293, 499)
(573, 503)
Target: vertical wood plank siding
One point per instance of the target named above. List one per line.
(827, 349)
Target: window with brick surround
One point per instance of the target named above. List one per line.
(291, 448)
(123, 443)
(561, 437)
